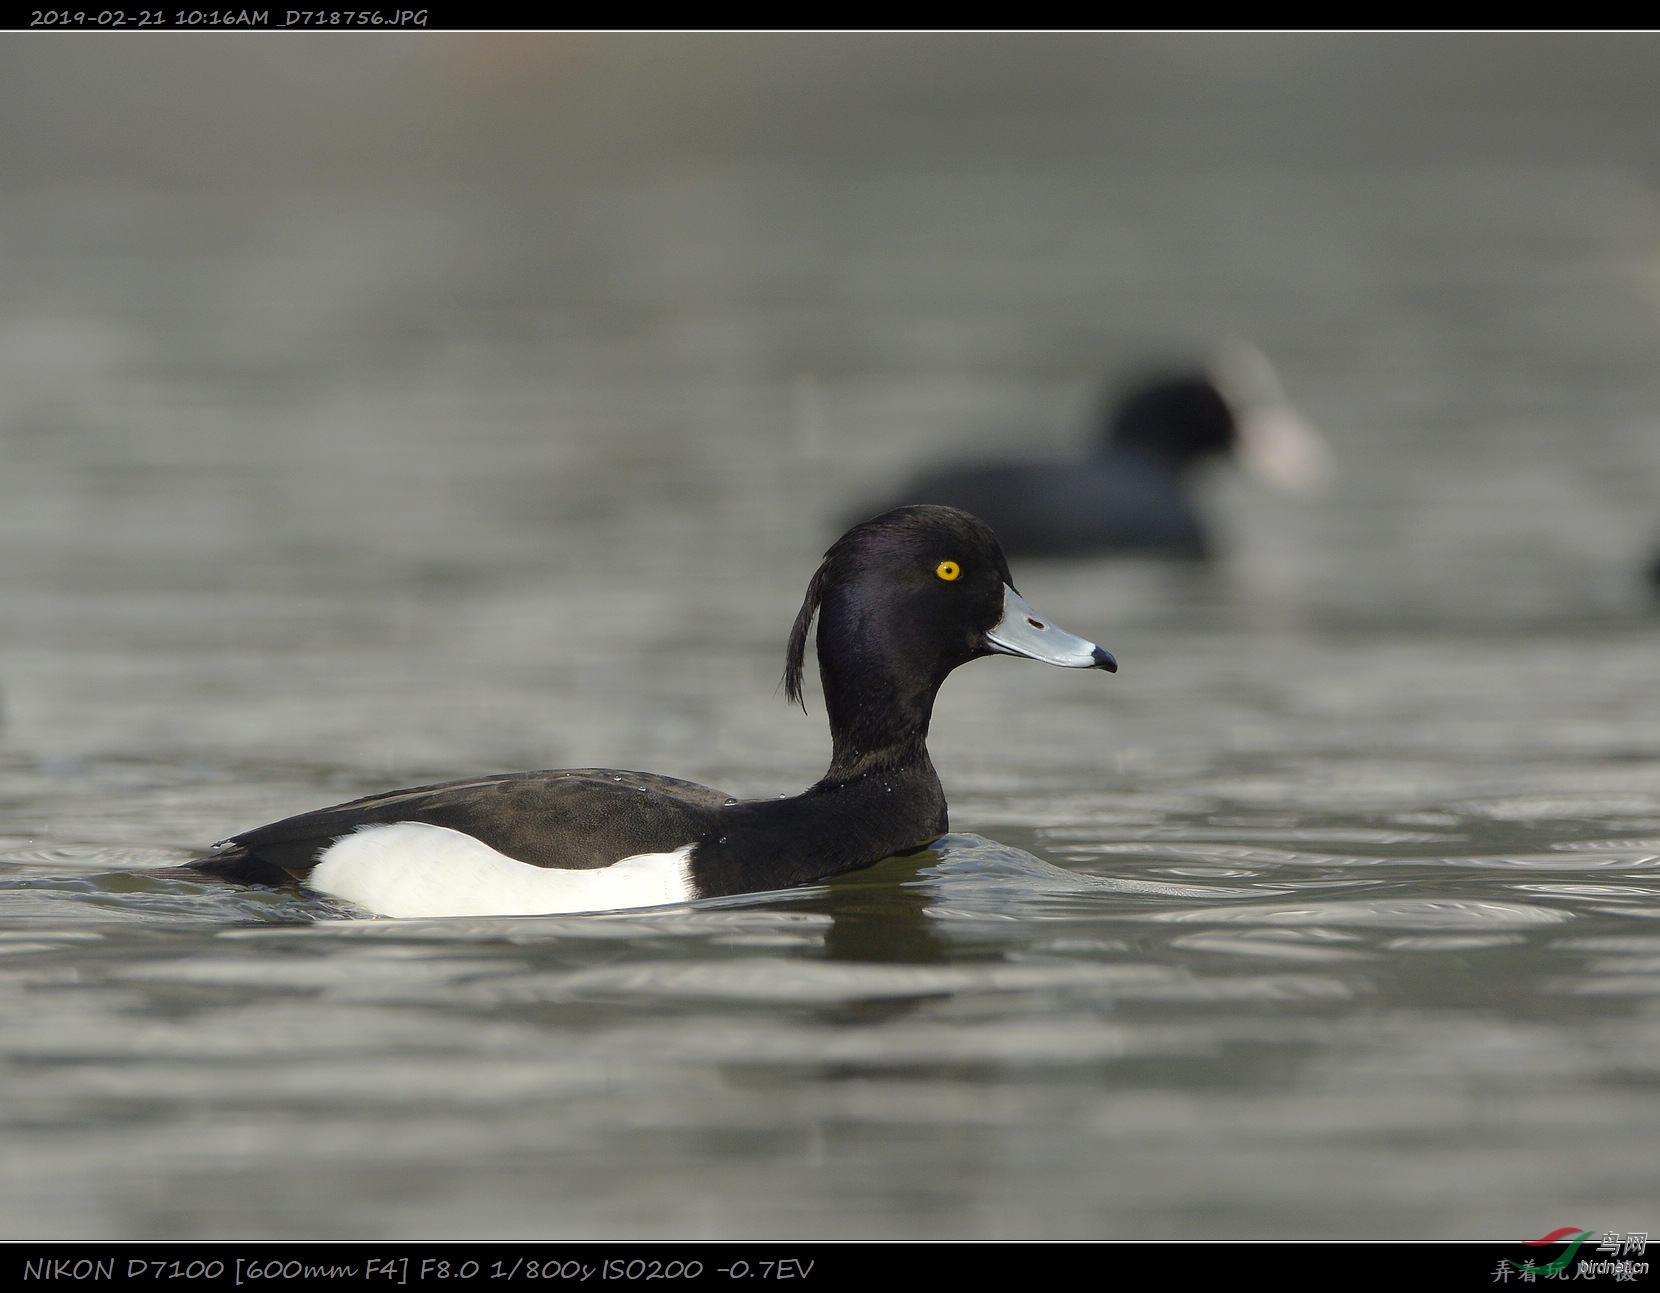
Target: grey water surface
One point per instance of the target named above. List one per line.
(1335, 914)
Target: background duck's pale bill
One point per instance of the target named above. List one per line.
(1022, 631)
(1279, 446)
(1275, 442)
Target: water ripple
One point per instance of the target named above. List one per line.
(1405, 913)
(1626, 859)
(822, 982)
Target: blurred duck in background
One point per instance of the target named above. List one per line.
(1131, 495)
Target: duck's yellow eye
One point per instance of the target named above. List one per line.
(948, 570)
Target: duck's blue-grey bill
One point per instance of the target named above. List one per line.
(1022, 631)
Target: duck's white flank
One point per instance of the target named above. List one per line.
(411, 869)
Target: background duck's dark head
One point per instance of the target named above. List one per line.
(1177, 418)
(901, 601)
(1234, 405)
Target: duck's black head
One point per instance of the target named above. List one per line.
(901, 601)
(1177, 418)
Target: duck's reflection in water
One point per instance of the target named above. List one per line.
(879, 915)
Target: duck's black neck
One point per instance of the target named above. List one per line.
(880, 698)
(860, 753)
(880, 795)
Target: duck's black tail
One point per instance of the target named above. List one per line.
(235, 865)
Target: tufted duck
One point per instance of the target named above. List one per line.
(901, 601)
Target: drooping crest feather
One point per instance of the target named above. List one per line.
(795, 657)
(836, 559)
